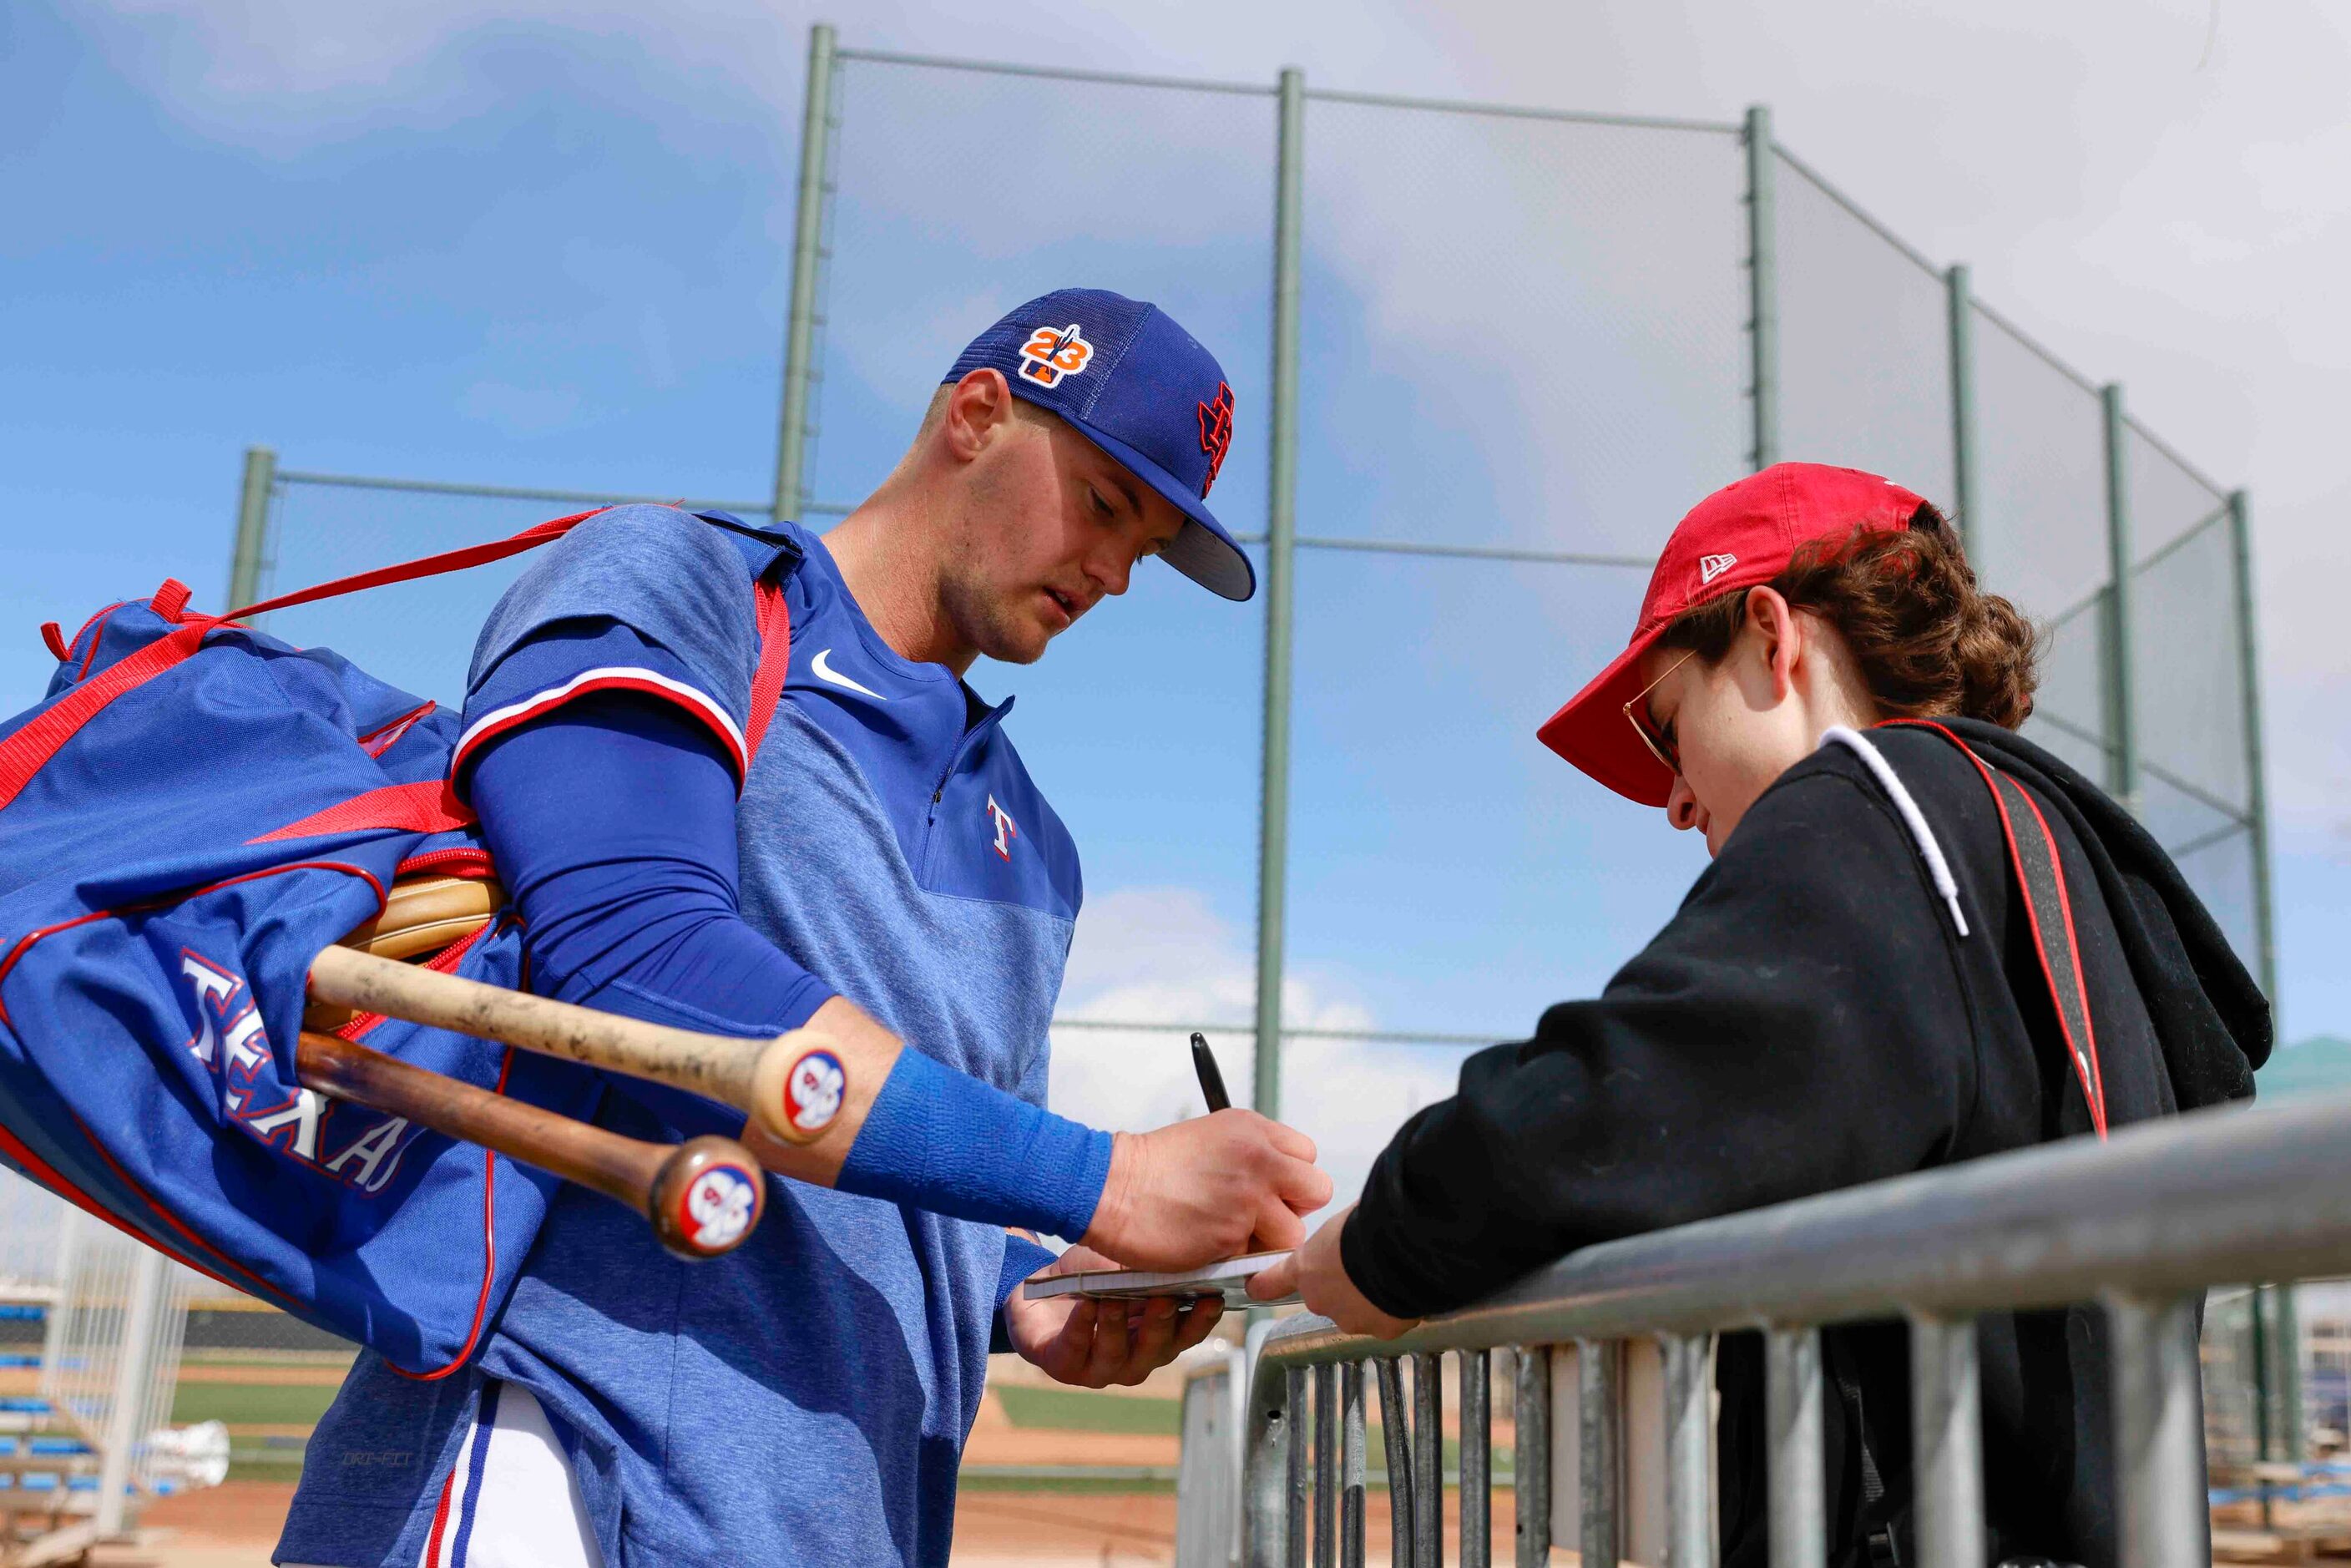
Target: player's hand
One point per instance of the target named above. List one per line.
(1096, 1344)
(1317, 1274)
(1205, 1189)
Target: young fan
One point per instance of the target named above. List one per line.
(1852, 990)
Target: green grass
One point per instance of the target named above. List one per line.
(277, 1403)
(246, 1464)
(1083, 1410)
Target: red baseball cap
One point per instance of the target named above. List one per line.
(1743, 535)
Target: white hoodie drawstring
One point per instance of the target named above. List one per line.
(1921, 833)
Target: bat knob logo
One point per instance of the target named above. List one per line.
(813, 1091)
(718, 1207)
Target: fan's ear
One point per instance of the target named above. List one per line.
(1780, 633)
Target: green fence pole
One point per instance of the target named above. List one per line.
(1281, 531)
(1967, 481)
(808, 225)
(2122, 733)
(252, 547)
(2287, 1362)
(1762, 288)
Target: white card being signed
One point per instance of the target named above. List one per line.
(1228, 1279)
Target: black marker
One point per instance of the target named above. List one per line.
(1212, 1083)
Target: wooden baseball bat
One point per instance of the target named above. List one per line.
(703, 1196)
(749, 1074)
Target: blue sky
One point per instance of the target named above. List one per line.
(536, 244)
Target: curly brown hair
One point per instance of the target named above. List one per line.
(1926, 643)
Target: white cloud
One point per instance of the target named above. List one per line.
(1153, 953)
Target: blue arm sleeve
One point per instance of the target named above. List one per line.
(1022, 1257)
(612, 822)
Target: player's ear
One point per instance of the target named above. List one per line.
(978, 407)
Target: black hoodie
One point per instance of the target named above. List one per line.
(1811, 1020)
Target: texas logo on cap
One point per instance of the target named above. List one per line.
(1216, 432)
(1122, 374)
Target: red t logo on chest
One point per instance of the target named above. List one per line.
(1005, 832)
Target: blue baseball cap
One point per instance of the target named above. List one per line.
(1141, 388)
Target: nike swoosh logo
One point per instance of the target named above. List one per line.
(825, 671)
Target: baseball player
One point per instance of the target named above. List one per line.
(864, 853)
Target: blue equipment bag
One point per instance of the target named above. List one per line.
(191, 814)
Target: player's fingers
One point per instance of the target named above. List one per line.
(1288, 1140)
(1076, 1339)
(1076, 1260)
(1272, 1284)
(1199, 1317)
(1155, 1339)
(1279, 1229)
(1108, 1352)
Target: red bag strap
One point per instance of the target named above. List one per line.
(775, 663)
(424, 566)
(28, 750)
(2048, 910)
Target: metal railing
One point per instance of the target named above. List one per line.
(2140, 1224)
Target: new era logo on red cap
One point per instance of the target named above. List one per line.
(1710, 567)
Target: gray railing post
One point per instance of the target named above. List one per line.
(1429, 1461)
(2122, 716)
(1351, 1480)
(2158, 1433)
(1967, 478)
(252, 546)
(1326, 1466)
(1600, 1426)
(1531, 1466)
(1763, 288)
(1395, 1432)
(1281, 554)
(1268, 1482)
(1293, 1521)
(1791, 1404)
(1947, 1445)
(1476, 1458)
(1690, 1454)
(808, 239)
